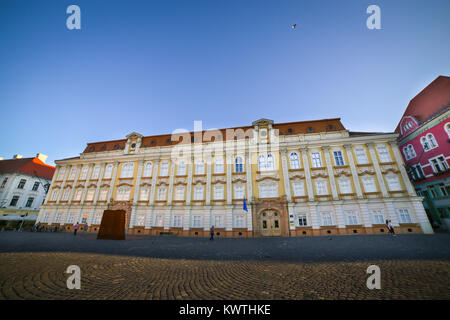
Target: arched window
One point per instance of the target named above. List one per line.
(127, 170)
(425, 143)
(261, 162)
(200, 167)
(108, 171)
(270, 162)
(294, 160)
(148, 169)
(406, 153)
(238, 164)
(218, 165)
(447, 129)
(123, 194)
(411, 150)
(432, 140)
(181, 168)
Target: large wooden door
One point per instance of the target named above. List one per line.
(270, 223)
(112, 226)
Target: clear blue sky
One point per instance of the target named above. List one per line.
(155, 66)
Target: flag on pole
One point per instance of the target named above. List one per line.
(245, 206)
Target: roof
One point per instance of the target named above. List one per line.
(30, 166)
(287, 128)
(429, 101)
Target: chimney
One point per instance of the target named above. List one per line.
(42, 157)
(17, 156)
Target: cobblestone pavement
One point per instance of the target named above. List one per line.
(35, 269)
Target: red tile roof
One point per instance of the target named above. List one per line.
(429, 101)
(289, 128)
(30, 166)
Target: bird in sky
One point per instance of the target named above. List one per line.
(293, 26)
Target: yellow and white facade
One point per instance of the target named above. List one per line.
(299, 178)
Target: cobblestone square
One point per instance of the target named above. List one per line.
(33, 265)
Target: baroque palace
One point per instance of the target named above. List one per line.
(267, 179)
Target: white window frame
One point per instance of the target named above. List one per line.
(294, 160)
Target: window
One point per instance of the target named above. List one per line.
(108, 171)
(352, 219)
(445, 190)
(66, 193)
(377, 217)
(84, 171)
(369, 184)
(416, 172)
(239, 191)
(403, 216)
(181, 169)
(393, 183)
(326, 219)
(338, 159)
(161, 194)
(164, 171)
(77, 195)
(198, 192)
(266, 163)
(321, 187)
(123, 194)
(298, 188)
(29, 202)
(302, 220)
(148, 169)
(316, 160)
(432, 140)
(159, 221)
(268, 190)
(140, 219)
(361, 156)
(72, 173)
(127, 170)
(14, 201)
(411, 151)
(84, 218)
(200, 167)
(218, 166)
(58, 217)
(90, 194)
(447, 129)
(219, 192)
(383, 153)
(98, 217)
(22, 184)
(95, 173)
(239, 221)
(425, 143)
(61, 173)
(239, 167)
(177, 221)
(294, 160)
(345, 186)
(196, 221)
(143, 196)
(218, 221)
(439, 164)
(179, 193)
(432, 191)
(4, 182)
(54, 195)
(103, 194)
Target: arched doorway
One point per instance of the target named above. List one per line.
(270, 223)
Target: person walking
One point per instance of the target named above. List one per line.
(212, 233)
(85, 227)
(76, 228)
(391, 228)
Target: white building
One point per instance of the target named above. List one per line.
(22, 182)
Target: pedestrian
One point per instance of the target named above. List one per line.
(76, 228)
(85, 227)
(212, 233)
(391, 228)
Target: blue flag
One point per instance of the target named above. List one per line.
(245, 206)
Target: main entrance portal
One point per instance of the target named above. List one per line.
(270, 223)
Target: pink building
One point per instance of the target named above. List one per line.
(424, 140)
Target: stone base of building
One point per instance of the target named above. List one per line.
(244, 233)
